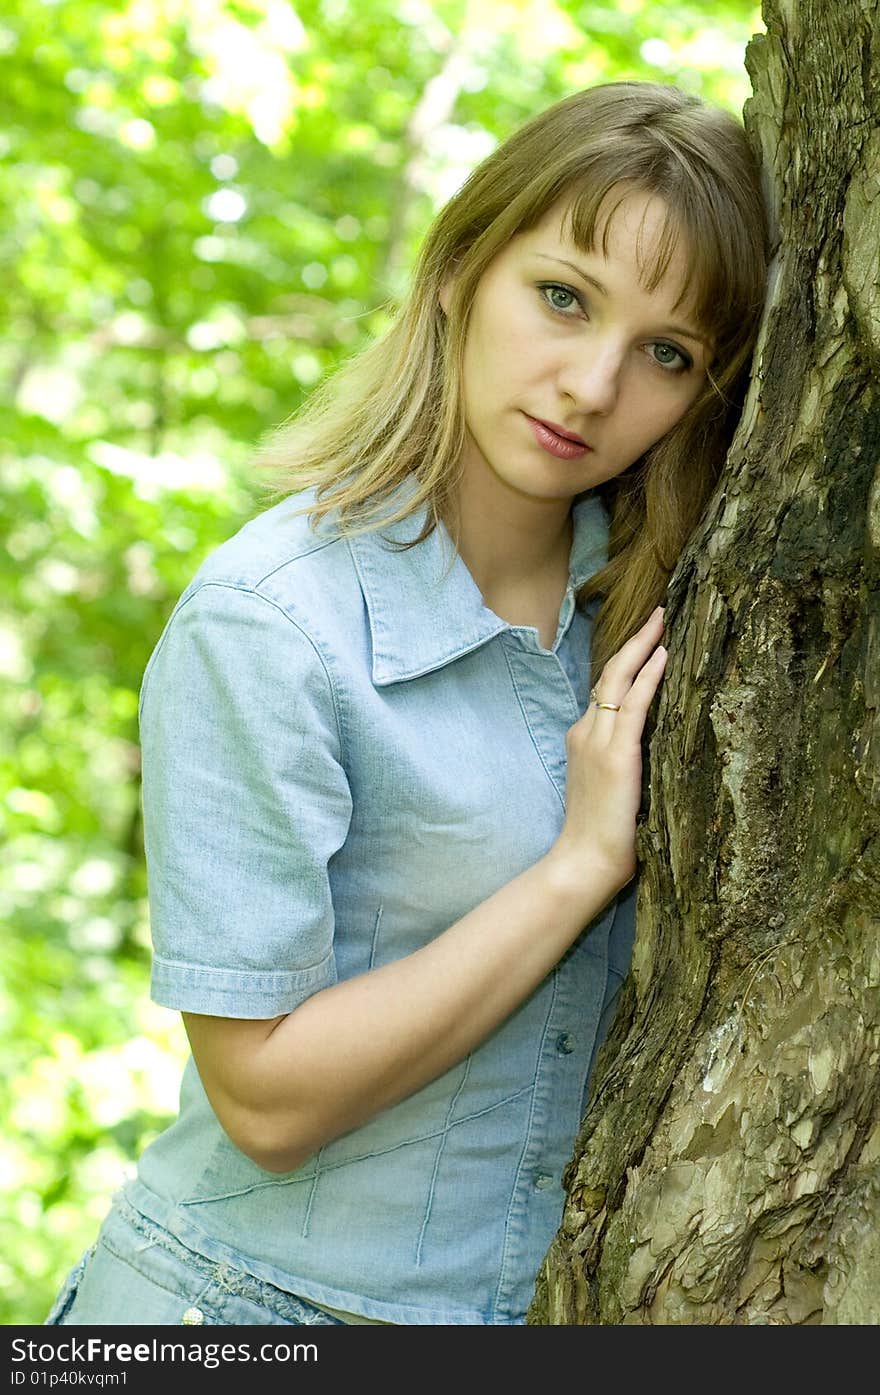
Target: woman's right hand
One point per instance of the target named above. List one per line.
(604, 770)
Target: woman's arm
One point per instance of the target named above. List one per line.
(285, 1086)
(281, 1088)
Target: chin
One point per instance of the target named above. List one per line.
(553, 493)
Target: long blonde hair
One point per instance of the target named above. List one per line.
(395, 409)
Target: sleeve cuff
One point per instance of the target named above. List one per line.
(235, 992)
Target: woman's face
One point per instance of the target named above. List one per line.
(572, 369)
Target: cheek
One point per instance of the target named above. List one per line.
(506, 335)
(497, 356)
(669, 413)
(647, 424)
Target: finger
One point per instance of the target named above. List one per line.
(629, 722)
(620, 671)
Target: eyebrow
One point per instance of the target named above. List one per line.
(592, 281)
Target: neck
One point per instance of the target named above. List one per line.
(509, 541)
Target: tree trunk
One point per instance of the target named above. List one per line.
(728, 1168)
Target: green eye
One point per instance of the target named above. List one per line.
(668, 356)
(559, 297)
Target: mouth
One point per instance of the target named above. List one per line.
(565, 445)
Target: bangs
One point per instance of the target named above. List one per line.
(712, 293)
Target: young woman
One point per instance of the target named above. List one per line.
(390, 831)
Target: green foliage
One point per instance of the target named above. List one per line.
(205, 208)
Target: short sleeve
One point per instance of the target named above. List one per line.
(245, 802)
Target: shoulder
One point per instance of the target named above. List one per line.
(279, 539)
(279, 558)
(277, 606)
(266, 611)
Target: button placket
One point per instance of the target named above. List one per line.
(546, 698)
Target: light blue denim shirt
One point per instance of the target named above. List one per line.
(345, 751)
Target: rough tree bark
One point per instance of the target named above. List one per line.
(728, 1167)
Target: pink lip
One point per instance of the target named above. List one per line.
(565, 445)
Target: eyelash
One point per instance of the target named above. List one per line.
(547, 287)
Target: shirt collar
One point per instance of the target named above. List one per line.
(424, 607)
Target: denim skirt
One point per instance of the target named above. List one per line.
(136, 1274)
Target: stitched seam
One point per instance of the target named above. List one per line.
(424, 1138)
(157, 1283)
(314, 1187)
(360, 1157)
(283, 975)
(249, 591)
(288, 561)
(374, 945)
(439, 1154)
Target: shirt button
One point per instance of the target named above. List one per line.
(565, 1043)
(543, 1180)
(193, 1317)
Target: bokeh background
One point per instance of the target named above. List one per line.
(204, 206)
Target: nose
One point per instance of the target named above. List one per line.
(591, 376)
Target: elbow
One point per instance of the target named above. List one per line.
(266, 1143)
(279, 1160)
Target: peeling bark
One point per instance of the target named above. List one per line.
(728, 1168)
